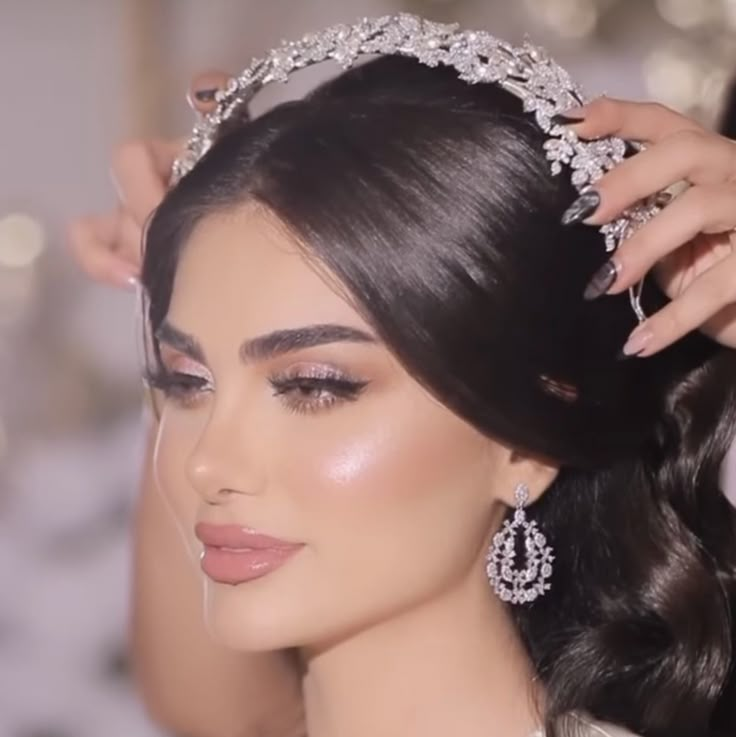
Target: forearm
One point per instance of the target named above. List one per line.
(190, 684)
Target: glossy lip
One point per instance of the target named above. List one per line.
(234, 555)
(235, 537)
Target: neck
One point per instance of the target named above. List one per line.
(453, 665)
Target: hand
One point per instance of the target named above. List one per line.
(691, 244)
(108, 246)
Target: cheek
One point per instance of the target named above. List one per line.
(415, 480)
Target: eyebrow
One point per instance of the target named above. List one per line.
(180, 341)
(271, 345)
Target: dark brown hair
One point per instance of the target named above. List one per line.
(433, 203)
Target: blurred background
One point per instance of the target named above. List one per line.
(77, 77)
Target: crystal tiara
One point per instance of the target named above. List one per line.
(544, 88)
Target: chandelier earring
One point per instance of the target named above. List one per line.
(514, 584)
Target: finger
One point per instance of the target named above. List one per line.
(202, 89)
(129, 239)
(141, 171)
(704, 209)
(690, 156)
(163, 152)
(90, 241)
(648, 122)
(711, 292)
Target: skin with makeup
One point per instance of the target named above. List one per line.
(376, 527)
(339, 509)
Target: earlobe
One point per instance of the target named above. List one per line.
(536, 472)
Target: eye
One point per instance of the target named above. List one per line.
(181, 387)
(311, 389)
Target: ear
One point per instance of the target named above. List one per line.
(524, 468)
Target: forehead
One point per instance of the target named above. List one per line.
(243, 265)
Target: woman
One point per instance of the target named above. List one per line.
(624, 641)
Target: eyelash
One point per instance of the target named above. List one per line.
(181, 388)
(332, 387)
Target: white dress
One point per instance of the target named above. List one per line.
(592, 728)
(600, 729)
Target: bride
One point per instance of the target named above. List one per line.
(378, 323)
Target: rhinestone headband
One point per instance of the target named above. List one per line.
(544, 88)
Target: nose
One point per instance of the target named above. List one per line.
(222, 462)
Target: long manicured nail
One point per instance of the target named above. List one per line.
(583, 207)
(206, 95)
(602, 280)
(637, 341)
(567, 118)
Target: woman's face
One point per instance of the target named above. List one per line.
(290, 418)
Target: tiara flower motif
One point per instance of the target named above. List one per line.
(544, 88)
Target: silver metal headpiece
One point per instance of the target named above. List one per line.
(526, 71)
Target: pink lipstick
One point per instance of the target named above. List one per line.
(234, 554)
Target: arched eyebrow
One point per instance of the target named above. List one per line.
(179, 341)
(279, 342)
(270, 345)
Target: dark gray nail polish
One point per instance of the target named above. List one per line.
(562, 119)
(206, 95)
(583, 207)
(601, 281)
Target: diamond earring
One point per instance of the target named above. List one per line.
(519, 585)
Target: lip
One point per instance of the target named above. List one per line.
(234, 554)
(238, 537)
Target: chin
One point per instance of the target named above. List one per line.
(251, 619)
(242, 618)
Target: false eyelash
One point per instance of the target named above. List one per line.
(332, 387)
(174, 384)
(338, 387)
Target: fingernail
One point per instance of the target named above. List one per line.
(125, 277)
(583, 207)
(206, 95)
(637, 341)
(602, 280)
(567, 119)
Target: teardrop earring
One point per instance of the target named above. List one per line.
(512, 584)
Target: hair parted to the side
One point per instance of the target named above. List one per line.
(432, 202)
